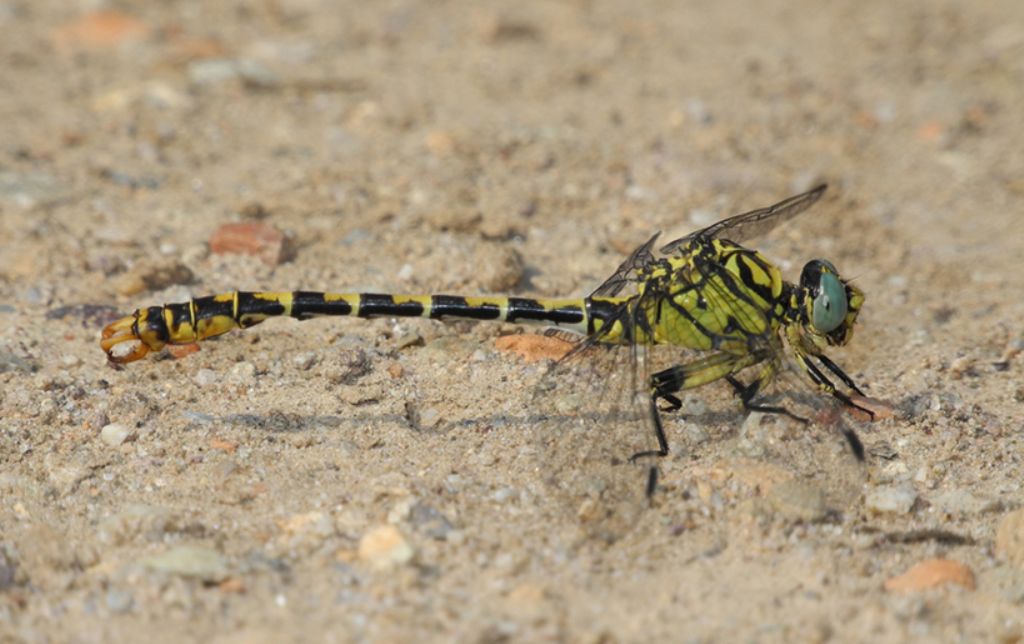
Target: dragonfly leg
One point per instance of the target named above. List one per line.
(834, 368)
(665, 384)
(826, 385)
(747, 394)
(659, 434)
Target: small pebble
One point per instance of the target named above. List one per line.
(440, 143)
(206, 377)
(384, 547)
(315, 524)
(129, 284)
(153, 275)
(99, 30)
(891, 499)
(217, 71)
(797, 500)
(225, 446)
(401, 509)
(196, 417)
(503, 494)
(430, 521)
(532, 347)
(13, 362)
(30, 190)
(119, 601)
(243, 372)
(958, 502)
(528, 601)
(409, 340)
(195, 562)
(961, 366)
(232, 585)
(137, 521)
(115, 434)
(429, 417)
(255, 238)
(305, 360)
(1010, 538)
(931, 573)
(8, 570)
(178, 351)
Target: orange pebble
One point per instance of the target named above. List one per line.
(931, 573)
(930, 131)
(99, 30)
(223, 445)
(249, 238)
(182, 350)
(532, 347)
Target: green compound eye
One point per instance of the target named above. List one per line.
(830, 304)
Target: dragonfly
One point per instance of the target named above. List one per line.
(723, 303)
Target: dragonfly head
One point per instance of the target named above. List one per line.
(829, 304)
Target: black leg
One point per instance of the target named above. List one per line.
(665, 383)
(822, 381)
(674, 403)
(747, 393)
(659, 433)
(652, 482)
(819, 379)
(834, 368)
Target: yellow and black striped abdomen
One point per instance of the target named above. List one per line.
(205, 317)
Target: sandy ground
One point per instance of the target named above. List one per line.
(346, 480)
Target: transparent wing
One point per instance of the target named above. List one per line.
(754, 223)
(595, 416)
(628, 271)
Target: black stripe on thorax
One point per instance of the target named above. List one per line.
(728, 279)
(747, 276)
(456, 306)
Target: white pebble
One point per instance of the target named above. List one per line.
(115, 434)
(384, 547)
(206, 377)
(243, 372)
(503, 494)
(891, 499)
(197, 562)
